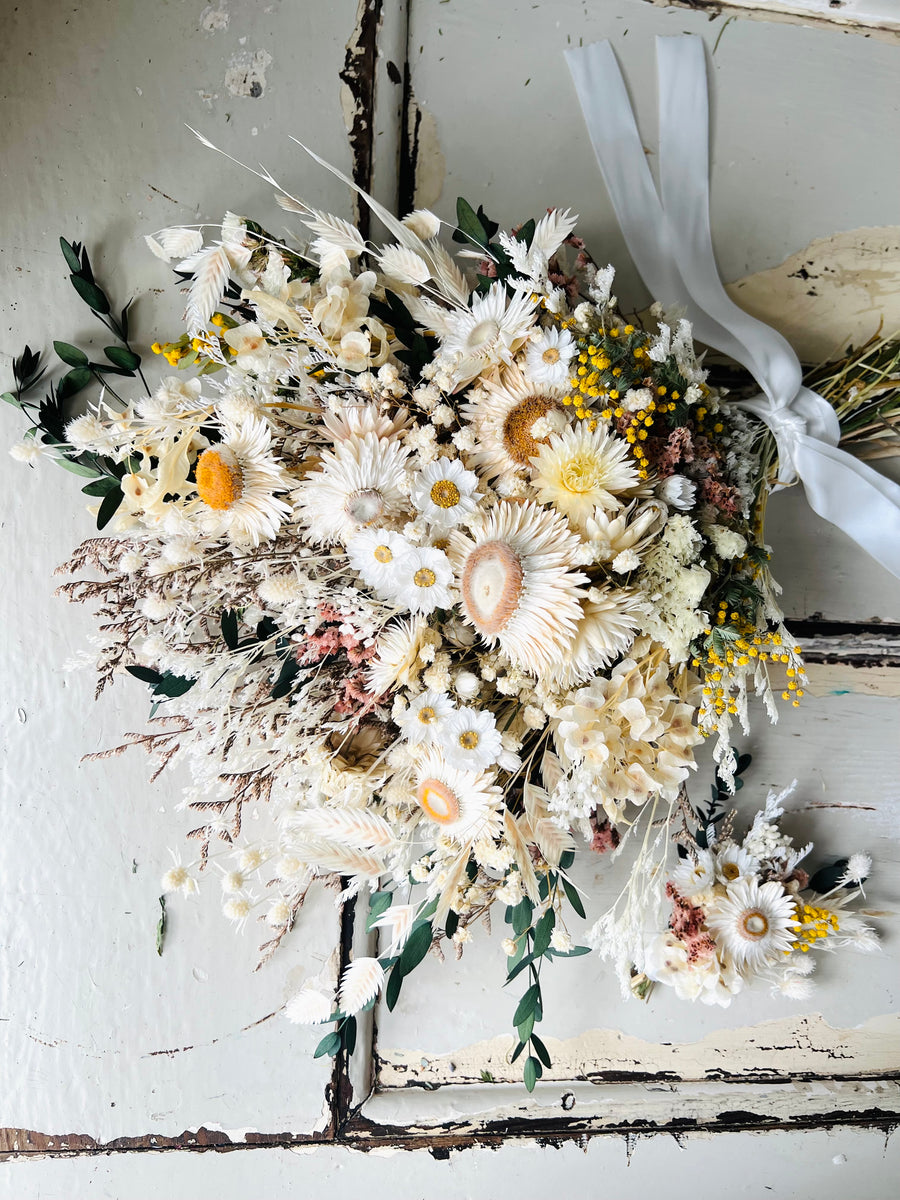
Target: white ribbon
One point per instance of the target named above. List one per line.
(669, 238)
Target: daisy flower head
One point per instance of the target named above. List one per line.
(470, 739)
(465, 805)
(548, 355)
(374, 554)
(488, 332)
(359, 483)
(503, 417)
(520, 587)
(426, 717)
(694, 876)
(238, 478)
(444, 492)
(753, 923)
(581, 470)
(734, 863)
(423, 581)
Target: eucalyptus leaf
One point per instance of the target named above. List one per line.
(76, 468)
(574, 898)
(100, 487)
(541, 1050)
(527, 1005)
(330, 1045)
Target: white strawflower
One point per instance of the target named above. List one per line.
(467, 685)
(463, 804)
(753, 923)
(677, 491)
(423, 581)
(361, 482)
(445, 492)
(733, 863)
(426, 718)
(693, 876)
(238, 478)
(375, 554)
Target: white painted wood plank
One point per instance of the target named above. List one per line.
(100, 1036)
(825, 1164)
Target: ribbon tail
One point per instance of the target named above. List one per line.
(849, 494)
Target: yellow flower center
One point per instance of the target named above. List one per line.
(469, 740)
(731, 871)
(438, 801)
(444, 493)
(550, 355)
(754, 925)
(581, 474)
(424, 577)
(220, 480)
(382, 554)
(427, 715)
(520, 444)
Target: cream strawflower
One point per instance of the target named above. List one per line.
(375, 553)
(753, 923)
(464, 805)
(396, 660)
(733, 863)
(426, 717)
(503, 414)
(238, 478)
(520, 587)
(489, 332)
(356, 420)
(694, 875)
(445, 492)
(548, 355)
(470, 739)
(359, 483)
(605, 631)
(582, 470)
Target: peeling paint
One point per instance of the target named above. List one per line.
(246, 74)
(845, 16)
(798, 1048)
(357, 98)
(427, 166)
(213, 19)
(840, 289)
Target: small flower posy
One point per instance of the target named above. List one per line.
(452, 572)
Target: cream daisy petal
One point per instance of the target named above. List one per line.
(520, 587)
(487, 332)
(375, 554)
(547, 357)
(359, 483)
(426, 717)
(753, 923)
(423, 581)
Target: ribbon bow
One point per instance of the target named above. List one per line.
(668, 236)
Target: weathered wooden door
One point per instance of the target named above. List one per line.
(119, 1065)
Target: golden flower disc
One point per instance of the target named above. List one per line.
(444, 493)
(469, 739)
(382, 554)
(220, 481)
(550, 355)
(731, 871)
(754, 925)
(424, 577)
(491, 586)
(438, 801)
(426, 715)
(518, 441)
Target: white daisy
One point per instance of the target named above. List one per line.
(423, 581)
(520, 585)
(359, 483)
(464, 805)
(426, 717)
(445, 492)
(606, 630)
(581, 470)
(753, 923)
(503, 415)
(237, 479)
(490, 331)
(470, 739)
(396, 661)
(548, 355)
(375, 553)
(733, 863)
(694, 876)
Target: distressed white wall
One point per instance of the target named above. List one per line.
(95, 97)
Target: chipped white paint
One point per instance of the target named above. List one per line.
(246, 74)
(871, 18)
(213, 19)
(841, 290)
